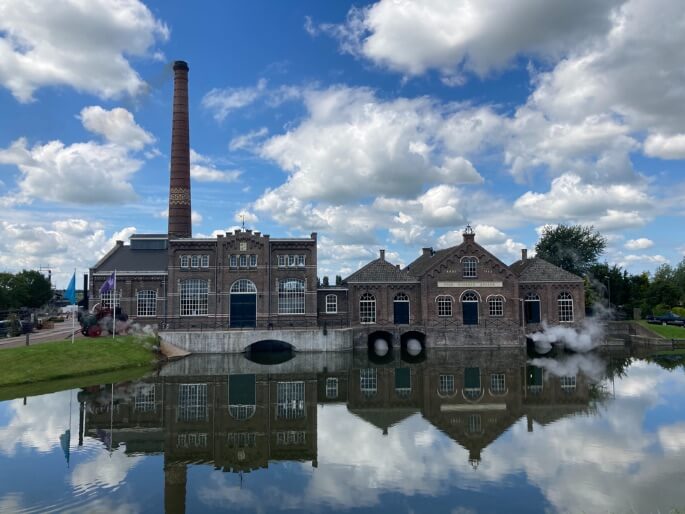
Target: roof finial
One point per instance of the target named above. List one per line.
(242, 217)
(468, 230)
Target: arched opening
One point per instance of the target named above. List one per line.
(243, 304)
(531, 308)
(413, 344)
(565, 302)
(401, 309)
(379, 344)
(270, 351)
(242, 394)
(469, 307)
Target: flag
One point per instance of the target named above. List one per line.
(65, 442)
(70, 293)
(109, 284)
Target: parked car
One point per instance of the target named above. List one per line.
(4, 328)
(667, 319)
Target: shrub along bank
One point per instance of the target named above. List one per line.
(64, 359)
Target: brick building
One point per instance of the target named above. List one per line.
(245, 279)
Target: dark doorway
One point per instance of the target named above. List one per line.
(470, 312)
(401, 312)
(532, 311)
(243, 310)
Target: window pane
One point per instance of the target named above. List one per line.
(194, 297)
(147, 303)
(291, 296)
(367, 308)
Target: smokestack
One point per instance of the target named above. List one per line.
(383, 255)
(179, 184)
(524, 254)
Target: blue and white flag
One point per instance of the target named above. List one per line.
(70, 293)
(109, 284)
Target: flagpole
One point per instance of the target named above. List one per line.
(114, 312)
(73, 314)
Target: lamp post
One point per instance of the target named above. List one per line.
(607, 281)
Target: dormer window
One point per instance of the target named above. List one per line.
(470, 267)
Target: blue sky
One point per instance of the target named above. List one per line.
(384, 124)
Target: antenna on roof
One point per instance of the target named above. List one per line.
(242, 217)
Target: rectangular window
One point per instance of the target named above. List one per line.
(474, 423)
(496, 307)
(446, 384)
(300, 261)
(144, 398)
(243, 261)
(243, 246)
(195, 261)
(192, 402)
(291, 438)
(108, 299)
(253, 261)
(331, 388)
(241, 439)
(233, 261)
(147, 303)
(185, 261)
(498, 384)
(291, 261)
(469, 264)
(194, 297)
(191, 440)
(368, 381)
(568, 383)
(282, 261)
(444, 306)
(291, 295)
(331, 304)
(205, 261)
(290, 400)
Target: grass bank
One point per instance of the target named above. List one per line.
(64, 359)
(667, 331)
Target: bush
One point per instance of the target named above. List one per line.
(661, 309)
(680, 311)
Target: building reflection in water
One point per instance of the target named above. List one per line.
(238, 415)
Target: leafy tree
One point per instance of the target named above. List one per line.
(6, 300)
(325, 281)
(31, 289)
(338, 280)
(573, 248)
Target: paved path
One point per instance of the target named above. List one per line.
(61, 332)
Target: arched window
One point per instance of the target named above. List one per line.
(470, 267)
(243, 286)
(331, 304)
(194, 297)
(565, 302)
(469, 296)
(367, 308)
(147, 303)
(496, 306)
(291, 296)
(444, 306)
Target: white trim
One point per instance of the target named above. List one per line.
(461, 259)
(129, 273)
(480, 299)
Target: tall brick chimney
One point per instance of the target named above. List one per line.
(179, 183)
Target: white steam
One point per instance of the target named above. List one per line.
(590, 365)
(589, 335)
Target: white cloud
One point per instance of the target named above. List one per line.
(413, 37)
(639, 244)
(354, 145)
(249, 141)
(81, 173)
(223, 101)
(82, 44)
(609, 207)
(665, 147)
(491, 238)
(116, 126)
(643, 259)
(203, 169)
(246, 216)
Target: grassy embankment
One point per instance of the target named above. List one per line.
(667, 331)
(65, 360)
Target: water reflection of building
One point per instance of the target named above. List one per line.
(239, 422)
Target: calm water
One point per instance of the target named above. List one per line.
(457, 431)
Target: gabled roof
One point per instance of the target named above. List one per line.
(535, 269)
(380, 270)
(421, 265)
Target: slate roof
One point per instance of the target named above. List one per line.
(123, 258)
(384, 417)
(425, 261)
(535, 269)
(380, 271)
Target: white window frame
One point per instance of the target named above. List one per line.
(367, 309)
(205, 261)
(243, 260)
(290, 400)
(469, 267)
(368, 381)
(445, 309)
(194, 297)
(446, 385)
(565, 307)
(233, 261)
(195, 261)
(498, 383)
(243, 285)
(291, 296)
(253, 260)
(331, 304)
(282, 261)
(192, 402)
(496, 306)
(108, 297)
(146, 303)
(185, 261)
(331, 388)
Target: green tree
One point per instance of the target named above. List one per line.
(573, 248)
(6, 300)
(31, 289)
(338, 280)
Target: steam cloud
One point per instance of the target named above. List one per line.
(590, 365)
(588, 336)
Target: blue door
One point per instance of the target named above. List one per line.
(243, 310)
(470, 312)
(401, 313)
(532, 308)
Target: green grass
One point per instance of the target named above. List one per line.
(64, 359)
(667, 331)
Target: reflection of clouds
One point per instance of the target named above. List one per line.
(38, 424)
(672, 437)
(590, 364)
(104, 470)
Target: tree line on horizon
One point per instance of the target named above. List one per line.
(28, 288)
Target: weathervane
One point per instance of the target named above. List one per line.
(242, 217)
(468, 229)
